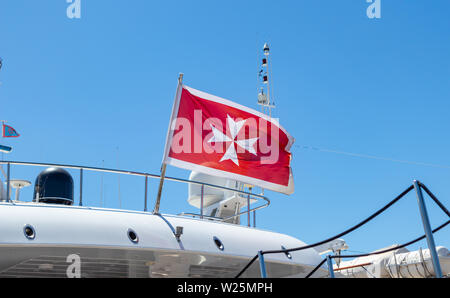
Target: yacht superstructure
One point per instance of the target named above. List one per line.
(51, 236)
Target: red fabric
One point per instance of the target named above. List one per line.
(262, 166)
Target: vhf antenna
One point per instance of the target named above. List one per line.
(265, 99)
(1, 65)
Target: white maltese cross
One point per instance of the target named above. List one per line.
(234, 128)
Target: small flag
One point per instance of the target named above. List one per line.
(9, 132)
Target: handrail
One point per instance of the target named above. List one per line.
(230, 217)
(134, 173)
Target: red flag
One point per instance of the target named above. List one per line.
(216, 136)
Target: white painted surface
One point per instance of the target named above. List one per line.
(84, 226)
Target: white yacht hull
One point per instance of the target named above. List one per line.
(93, 242)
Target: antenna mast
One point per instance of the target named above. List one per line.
(1, 65)
(265, 99)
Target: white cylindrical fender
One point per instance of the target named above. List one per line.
(417, 264)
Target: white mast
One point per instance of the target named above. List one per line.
(264, 99)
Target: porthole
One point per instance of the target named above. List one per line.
(218, 243)
(29, 232)
(132, 236)
(288, 255)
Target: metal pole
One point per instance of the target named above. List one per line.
(201, 202)
(248, 207)
(161, 183)
(262, 265)
(17, 193)
(164, 166)
(145, 203)
(330, 266)
(8, 178)
(248, 210)
(428, 231)
(254, 219)
(81, 187)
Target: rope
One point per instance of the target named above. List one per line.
(317, 267)
(347, 231)
(393, 248)
(356, 227)
(434, 198)
(378, 252)
(368, 271)
(246, 266)
(334, 237)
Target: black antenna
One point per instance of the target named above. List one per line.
(1, 64)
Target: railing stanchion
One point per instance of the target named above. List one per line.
(8, 178)
(254, 219)
(81, 187)
(145, 196)
(201, 201)
(248, 207)
(262, 264)
(428, 232)
(248, 210)
(330, 266)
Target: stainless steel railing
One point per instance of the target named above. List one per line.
(146, 175)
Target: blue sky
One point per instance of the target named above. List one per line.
(98, 91)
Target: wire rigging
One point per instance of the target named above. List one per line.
(367, 156)
(380, 251)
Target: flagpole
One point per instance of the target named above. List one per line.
(161, 183)
(3, 129)
(164, 165)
